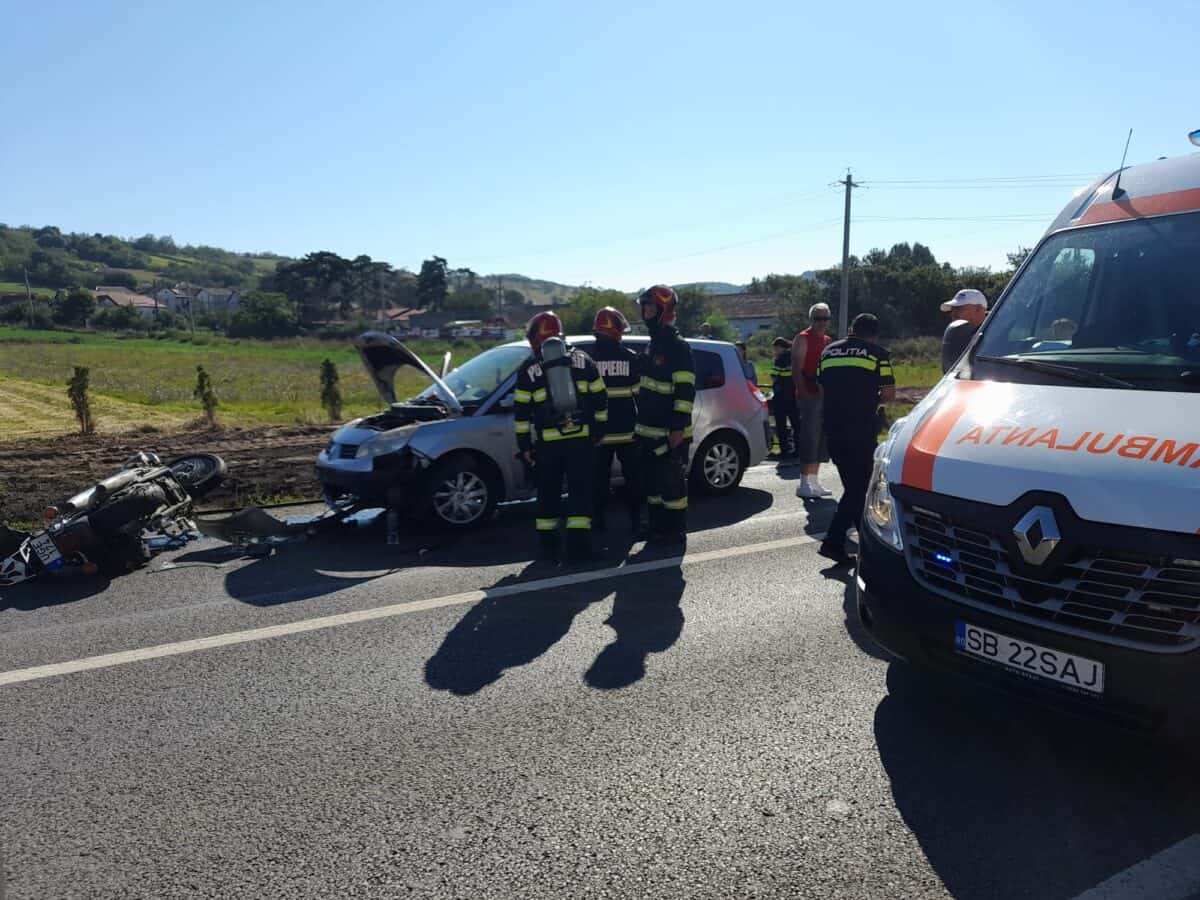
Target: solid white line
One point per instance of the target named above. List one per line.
(1170, 874)
(17, 676)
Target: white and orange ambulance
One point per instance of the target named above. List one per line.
(1035, 522)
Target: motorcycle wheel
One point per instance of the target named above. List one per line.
(198, 473)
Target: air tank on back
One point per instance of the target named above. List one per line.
(560, 382)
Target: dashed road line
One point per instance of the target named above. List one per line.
(178, 648)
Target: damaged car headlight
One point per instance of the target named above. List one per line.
(383, 445)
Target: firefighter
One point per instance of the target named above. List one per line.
(618, 366)
(561, 408)
(666, 392)
(783, 389)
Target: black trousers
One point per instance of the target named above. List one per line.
(786, 413)
(666, 483)
(573, 460)
(854, 460)
(631, 468)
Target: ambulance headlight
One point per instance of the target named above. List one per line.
(880, 514)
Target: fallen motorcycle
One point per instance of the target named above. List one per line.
(115, 525)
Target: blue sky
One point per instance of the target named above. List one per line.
(615, 144)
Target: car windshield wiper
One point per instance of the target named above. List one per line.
(1071, 373)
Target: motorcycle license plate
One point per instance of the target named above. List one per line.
(46, 551)
(1031, 659)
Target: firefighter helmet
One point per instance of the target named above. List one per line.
(665, 299)
(610, 323)
(542, 326)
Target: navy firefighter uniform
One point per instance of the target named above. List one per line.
(666, 395)
(619, 367)
(561, 409)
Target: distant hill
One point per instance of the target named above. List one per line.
(538, 292)
(714, 287)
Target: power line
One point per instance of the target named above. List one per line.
(984, 179)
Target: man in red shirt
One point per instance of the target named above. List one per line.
(810, 440)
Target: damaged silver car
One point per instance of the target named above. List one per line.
(449, 454)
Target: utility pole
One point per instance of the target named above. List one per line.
(29, 299)
(844, 305)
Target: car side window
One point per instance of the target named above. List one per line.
(710, 369)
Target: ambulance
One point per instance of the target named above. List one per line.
(1034, 524)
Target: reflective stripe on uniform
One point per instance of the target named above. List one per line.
(683, 376)
(781, 373)
(522, 427)
(547, 524)
(649, 431)
(618, 393)
(885, 369)
(661, 450)
(553, 434)
(654, 501)
(676, 504)
(579, 522)
(854, 362)
(683, 406)
(624, 438)
(522, 397)
(602, 415)
(596, 386)
(539, 396)
(659, 387)
(581, 386)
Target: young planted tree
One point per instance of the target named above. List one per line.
(331, 394)
(77, 391)
(207, 395)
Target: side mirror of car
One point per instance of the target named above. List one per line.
(507, 403)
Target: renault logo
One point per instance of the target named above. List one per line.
(1037, 535)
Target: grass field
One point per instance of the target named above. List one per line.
(141, 381)
(18, 287)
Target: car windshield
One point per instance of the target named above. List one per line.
(1120, 301)
(476, 379)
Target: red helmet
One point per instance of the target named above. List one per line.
(542, 326)
(610, 323)
(665, 299)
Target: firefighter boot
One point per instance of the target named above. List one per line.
(579, 546)
(547, 546)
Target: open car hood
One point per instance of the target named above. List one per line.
(384, 356)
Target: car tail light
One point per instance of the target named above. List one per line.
(756, 393)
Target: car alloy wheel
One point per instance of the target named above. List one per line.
(461, 498)
(722, 465)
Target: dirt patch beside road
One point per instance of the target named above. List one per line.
(38, 472)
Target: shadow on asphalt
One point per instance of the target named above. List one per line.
(342, 559)
(854, 627)
(1009, 799)
(48, 591)
(505, 632)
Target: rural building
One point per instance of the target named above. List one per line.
(185, 297)
(749, 314)
(118, 297)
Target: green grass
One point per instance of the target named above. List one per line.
(257, 382)
(18, 287)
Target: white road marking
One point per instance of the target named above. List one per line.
(1171, 874)
(17, 676)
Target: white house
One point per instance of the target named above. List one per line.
(747, 313)
(185, 297)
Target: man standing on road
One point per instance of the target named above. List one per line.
(561, 408)
(666, 393)
(855, 376)
(618, 366)
(783, 390)
(706, 331)
(807, 348)
(968, 309)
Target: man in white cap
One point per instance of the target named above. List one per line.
(968, 309)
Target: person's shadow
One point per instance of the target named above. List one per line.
(647, 617)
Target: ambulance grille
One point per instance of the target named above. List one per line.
(1126, 598)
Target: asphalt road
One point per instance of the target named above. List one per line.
(476, 726)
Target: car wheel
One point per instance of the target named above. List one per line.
(720, 463)
(461, 494)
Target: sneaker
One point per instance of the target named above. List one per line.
(807, 490)
(822, 491)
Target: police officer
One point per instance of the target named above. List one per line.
(855, 376)
(618, 366)
(561, 409)
(783, 391)
(666, 392)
